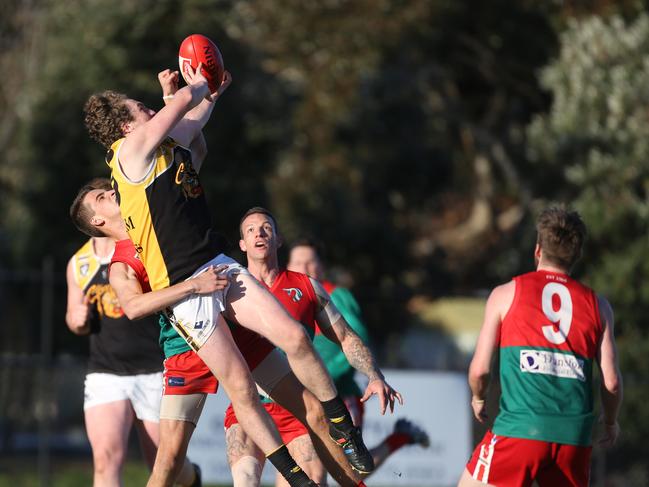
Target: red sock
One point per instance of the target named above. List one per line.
(397, 440)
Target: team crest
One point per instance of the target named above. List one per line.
(83, 270)
(294, 293)
(186, 175)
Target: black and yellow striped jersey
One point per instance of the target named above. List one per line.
(117, 345)
(166, 214)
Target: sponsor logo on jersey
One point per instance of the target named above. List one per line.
(128, 221)
(294, 293)
(552, 363)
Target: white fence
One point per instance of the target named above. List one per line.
(436, 401)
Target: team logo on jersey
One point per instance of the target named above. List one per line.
(552, 363)
(186, 175)
(294, 293)
(104, 298)
(83, 270)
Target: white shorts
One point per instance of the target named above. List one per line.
(144, 391)
(195, 317)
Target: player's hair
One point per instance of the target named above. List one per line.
(561, 234)
(312, 242)
(253, 211)
(81, 212)
(104, 114)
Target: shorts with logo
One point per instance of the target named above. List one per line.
(516, 462)
(195, 317)
(289, 426)
(185, 373)
(188, 380)
(144, 392)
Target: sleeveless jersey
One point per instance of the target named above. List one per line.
(166, 214)
(170, 341)
(548, 342)
(295, 292)
(117, 345)
(333, 357)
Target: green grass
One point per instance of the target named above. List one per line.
(23, 472)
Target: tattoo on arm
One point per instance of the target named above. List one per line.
(359, 355)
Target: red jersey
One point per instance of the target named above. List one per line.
(126, 253)
(295, 291)
(548, 342)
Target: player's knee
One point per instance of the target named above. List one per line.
(242, 395)
(246, 471)
(296, 342)
(106, 460)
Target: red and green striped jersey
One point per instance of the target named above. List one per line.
(548, 342)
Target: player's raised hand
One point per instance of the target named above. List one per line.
(387, 395)
(227, 79)
(194, 77)
(168, 80)
(212, 279)
(479, 410)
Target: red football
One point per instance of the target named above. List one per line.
(196, 49)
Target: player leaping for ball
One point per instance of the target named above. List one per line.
(187, 380)
(164, 207)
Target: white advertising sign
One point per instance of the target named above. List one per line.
(436, 401)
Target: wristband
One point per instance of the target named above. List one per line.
(167, 97)
(477, 401)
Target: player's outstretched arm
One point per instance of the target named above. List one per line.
(497, 306)
(137, 304)
(611, 378)
(192, 123)
(169, 83)
(78, 308)
(335, 328)
(143, 139)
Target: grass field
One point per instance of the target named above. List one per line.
(23, 472)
